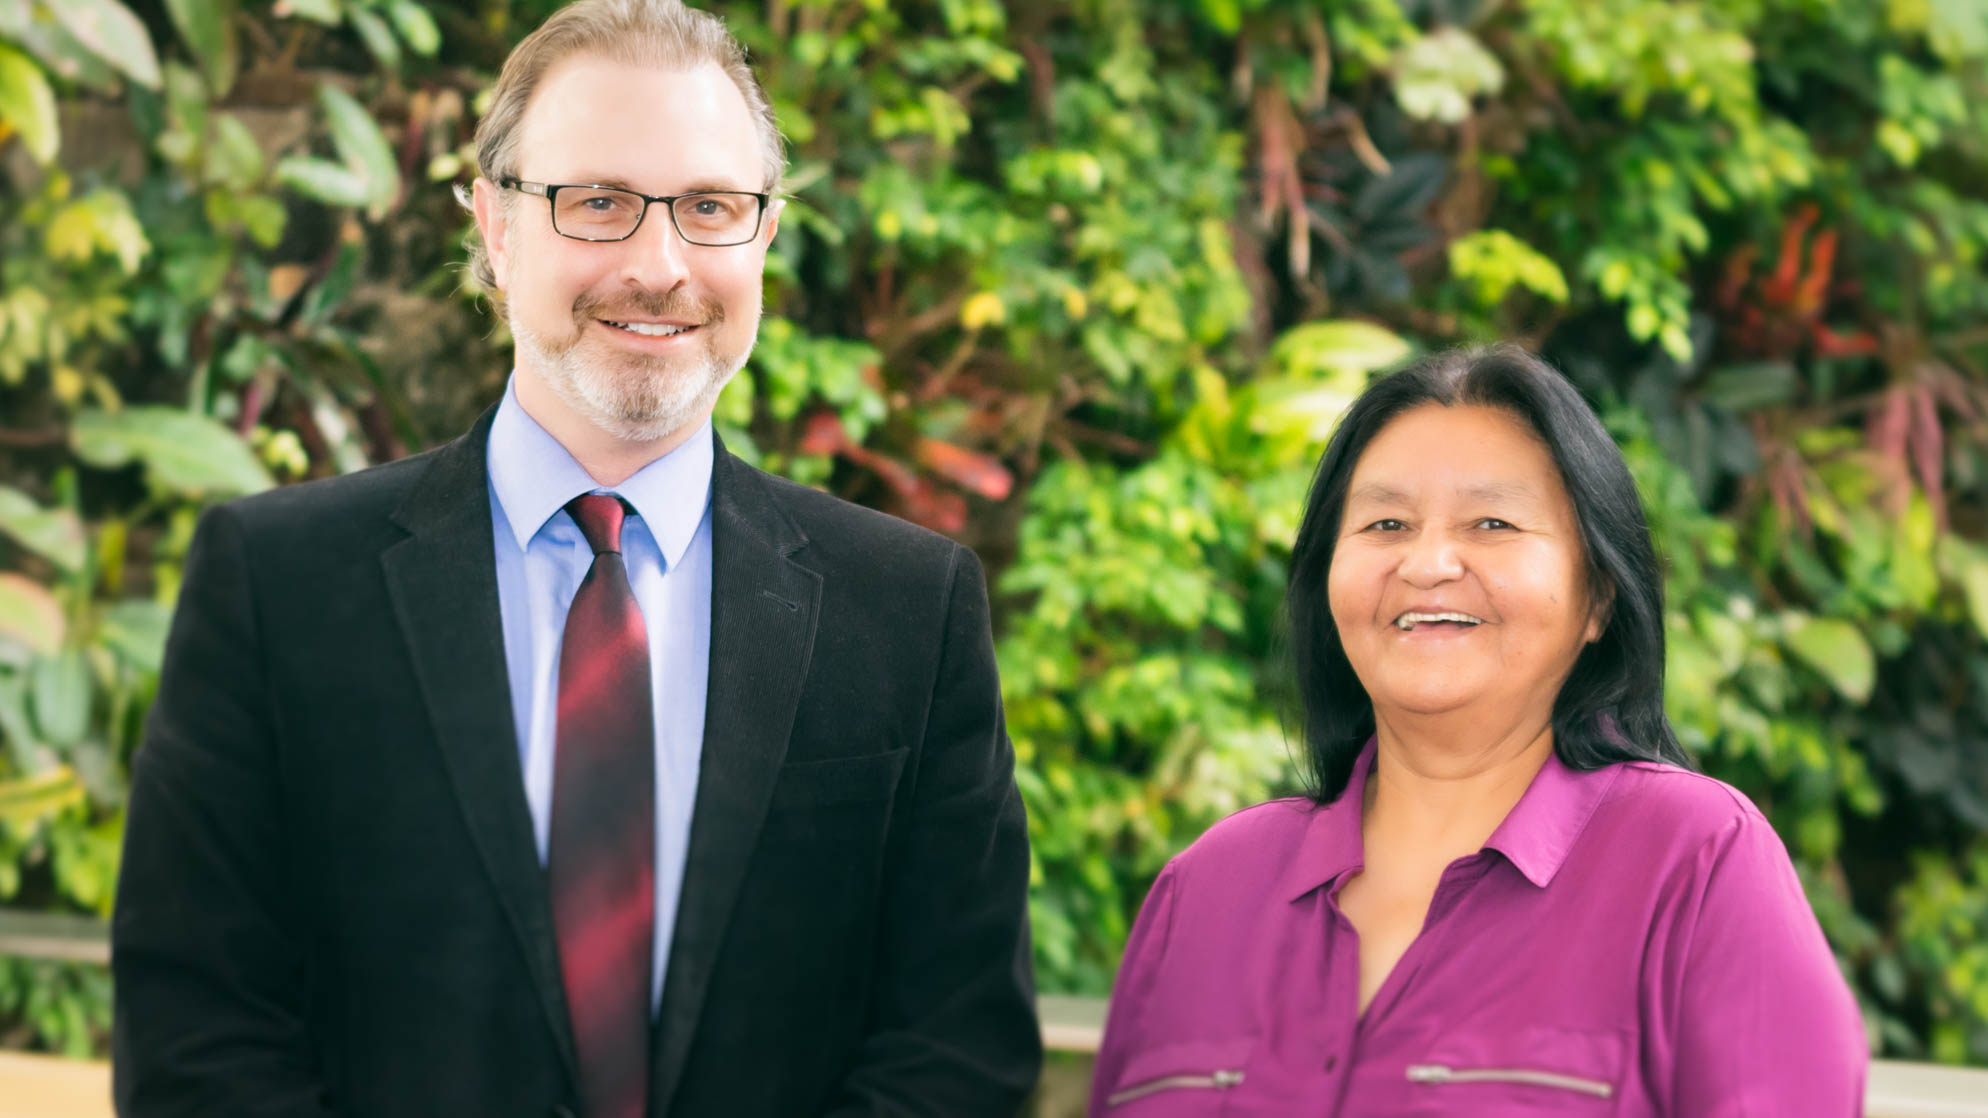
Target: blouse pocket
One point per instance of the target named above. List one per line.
(1193, 1077)
(1571, 1070)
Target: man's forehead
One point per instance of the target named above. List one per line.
(647, 128)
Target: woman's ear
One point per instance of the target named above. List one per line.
(1601, 609)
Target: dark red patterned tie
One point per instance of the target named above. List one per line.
(601, 854)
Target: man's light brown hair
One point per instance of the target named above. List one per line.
(659, 33)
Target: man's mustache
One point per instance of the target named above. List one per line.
(649, 304)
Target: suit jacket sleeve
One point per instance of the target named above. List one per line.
(207, 950)
(953, 1028)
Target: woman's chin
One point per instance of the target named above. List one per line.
(1426, 703)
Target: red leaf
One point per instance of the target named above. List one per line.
(970, 470)
(1781, 288)
(1928, 452)
(824, 435)
(1815, 285)
(1829, 343)
(938, 509)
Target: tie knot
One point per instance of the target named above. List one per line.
(599, 516)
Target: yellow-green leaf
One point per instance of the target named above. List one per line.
(137, 629)
(29, 800)
(206, 25)
(323, 180)
(59, 690)
(1321, 349)
(102, 221)
(54, 534)
(1970, 568)
(1836, 649)
(318, 11)
(30, 614)
(416, 26)
(181, 451)
(112, 33)
(361, 146)
(27, 104)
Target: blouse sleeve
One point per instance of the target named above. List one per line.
(1143, 952)
(1765, 1025)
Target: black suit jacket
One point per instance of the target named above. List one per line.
(331, 902)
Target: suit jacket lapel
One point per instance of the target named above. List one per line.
(763, 614)
(443, 581)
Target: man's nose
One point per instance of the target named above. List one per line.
(656, 257)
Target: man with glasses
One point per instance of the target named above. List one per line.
(577, 767)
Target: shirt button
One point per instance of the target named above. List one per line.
(1332, 1063)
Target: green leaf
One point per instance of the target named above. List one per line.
(136, 629)
(181, 451)
(27, 104)
(28, 801)
(30, 614)
(59, 694)
(263, 217)
(54, 534)
(1437, 75)
(234, 158)
(323, 180)
(326, 12)
(100, 222)
(1757, 384)
(110, 31)
(362, 146)
(1834, 648)
(380, 41)
(416, 26)
(1969, 567)
(1340, 346)
(207, 27)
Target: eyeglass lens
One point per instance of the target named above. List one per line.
(604, 215)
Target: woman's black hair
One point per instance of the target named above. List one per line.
(1611, 708)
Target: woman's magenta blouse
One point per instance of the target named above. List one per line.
(1629, 942)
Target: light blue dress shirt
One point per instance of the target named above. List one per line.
(542, 558)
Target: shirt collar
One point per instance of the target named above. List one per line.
(1332, 846)
(1536, 837)
(534, 477)
(1540, 832)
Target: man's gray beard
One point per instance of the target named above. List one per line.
(638, 400)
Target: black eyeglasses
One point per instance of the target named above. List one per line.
(713, 218)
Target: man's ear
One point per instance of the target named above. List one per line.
(492, 225)
(773, 207)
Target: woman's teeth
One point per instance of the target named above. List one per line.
(1409, 620)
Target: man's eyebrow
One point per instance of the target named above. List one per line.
(698, 186)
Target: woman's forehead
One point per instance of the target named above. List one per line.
(1466, 451)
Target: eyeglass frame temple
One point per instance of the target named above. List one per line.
(547, 190)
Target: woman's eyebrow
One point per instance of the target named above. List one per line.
(1381, 493)
(1377, 493)
(1494, 491)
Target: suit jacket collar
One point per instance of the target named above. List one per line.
(443, 582)
(764, 609)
